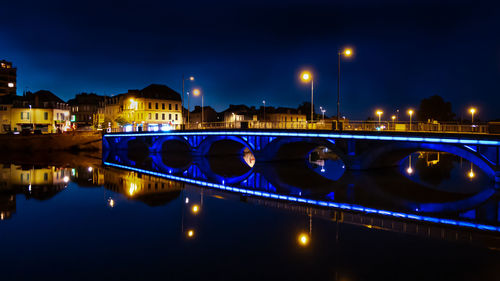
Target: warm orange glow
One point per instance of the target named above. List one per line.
(196, 92)
(393, 117)
(347, 52)
(410, 112)
(471, 174)
(191, 78)
(409, 171)
(303, 239)
(472, 110)
(190, 233)
(379, 112)
(306, 76)
(195, 209)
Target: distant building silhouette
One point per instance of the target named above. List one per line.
(8, 78)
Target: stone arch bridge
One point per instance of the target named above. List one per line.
(358, 150)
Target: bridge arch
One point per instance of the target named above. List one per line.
(297, 148)
(204, 148)
(391, 154)
(158, 144)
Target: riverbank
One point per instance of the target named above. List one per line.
(74, 141)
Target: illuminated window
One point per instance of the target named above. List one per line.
(163, 116)
(22, 115)
(46, 116)
(156, 116)
(176, 117)
(149, 115)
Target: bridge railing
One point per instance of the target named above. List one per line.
(347, 125)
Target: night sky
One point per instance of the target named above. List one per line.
(244, 52)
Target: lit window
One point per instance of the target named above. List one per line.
(149, 115)
(176, 118)
(156, 116)
(46, 115)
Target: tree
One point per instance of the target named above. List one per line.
(435, 108)
(305, 108)
(120, 120)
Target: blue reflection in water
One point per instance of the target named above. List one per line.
(260, 191)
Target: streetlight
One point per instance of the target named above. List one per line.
(346, 52)
(306, 76)
(323, 111)
(410, 112)
(264, 102)
(197, 92)
(393, 117)
(379, 113)
(190, 78)
(472, 110)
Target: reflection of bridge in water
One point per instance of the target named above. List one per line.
(263, 182)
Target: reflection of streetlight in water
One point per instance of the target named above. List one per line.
(471, 174)
(248, 157)
(409, 170)
(304, 238)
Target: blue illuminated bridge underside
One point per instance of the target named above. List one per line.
(312, 202)
(358, 150)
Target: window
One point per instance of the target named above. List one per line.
(163, 116)
(22, 115)
(162, 106)
(45, 177)
(149, 105)
(156, 105)
(156, 116)
(169, 106)
(169, 116)
(27, 115)
(176, 107)
(46, 116)
(149, 116)
(176, 117)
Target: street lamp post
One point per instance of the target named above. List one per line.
(323, 111)
(347, 53)
(264, 102)
(306, 76)
(190, 78)
(393, 117)
(472, 110)
(197, 92)
(410, 112)
(379, 113)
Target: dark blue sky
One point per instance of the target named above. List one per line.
(244, 52)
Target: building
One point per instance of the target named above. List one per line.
(84, 108)
(236, 113)
(8, 78)
(285, 118)
(156, 107)
(209, 115)
(42, 111)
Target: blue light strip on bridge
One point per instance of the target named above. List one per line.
(334, 205)
(310, 135)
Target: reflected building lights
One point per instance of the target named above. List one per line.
(111, 202)
(471, 173)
